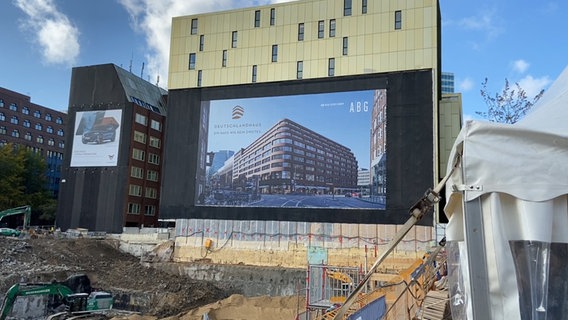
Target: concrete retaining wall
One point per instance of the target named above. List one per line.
(250, 281)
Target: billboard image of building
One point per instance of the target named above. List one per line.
(96, 138)
(279, 162)
(297, 149)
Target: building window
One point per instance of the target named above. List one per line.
(150, 210)
(49, 129)
(141, 119)
(153, 158)
(14, 120)
(137, 172)
(13, 107)
(37, 114)
(138, 154)
(345, 45)
(61, 144)
(332, 28)
(59, 120)
(134, 208)
(300, 70)
(272, 16)
(51, 142)
(274, 53)
(27, 123)
(331, 67)
(201, 42)
(139, 137)
(320, 29)
(1, 103)
(254, 73)
(16, 133)
(364, 6)
(199, 76)
(347, 7)
(234, 39)
(151, 193)
(26, 110)
(3, 130)
(47, 116)
(2, 117)
(301, 32)
(39, 139)
(193, 26)
(224, 63)
(135, 190)
(60, 132)
(154, 142)
(397, 20)
(28, 136)
(152, 175)
(257, 19)
(156, 125)
(191, 61)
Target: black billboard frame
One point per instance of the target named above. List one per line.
(410, 144)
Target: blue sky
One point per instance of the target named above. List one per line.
(42, 40)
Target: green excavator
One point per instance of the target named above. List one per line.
(25, 210)
(71, 298)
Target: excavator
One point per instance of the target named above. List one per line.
(71, 299)
(25, 210)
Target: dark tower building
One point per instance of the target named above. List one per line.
(112, 168)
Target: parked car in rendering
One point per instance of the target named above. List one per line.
(9, 232)
(104, 131)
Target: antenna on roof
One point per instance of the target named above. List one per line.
(142, 71)
(131, 57)
(158, 80)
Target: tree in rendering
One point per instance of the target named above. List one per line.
(509, 106)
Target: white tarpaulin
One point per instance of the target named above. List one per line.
(513, 181)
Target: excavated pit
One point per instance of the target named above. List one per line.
(152, 290)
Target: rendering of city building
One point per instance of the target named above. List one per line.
(112, 169)
(326, 62)
(379, 146)
(297, 160)
(36, 128)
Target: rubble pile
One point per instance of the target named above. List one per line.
(45, 259)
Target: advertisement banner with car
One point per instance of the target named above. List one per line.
(96, 138)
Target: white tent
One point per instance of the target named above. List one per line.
(508, 215)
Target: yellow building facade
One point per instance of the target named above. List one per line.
(303, 40)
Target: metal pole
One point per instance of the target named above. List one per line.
(475, 243)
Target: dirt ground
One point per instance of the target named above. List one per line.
(44, 259)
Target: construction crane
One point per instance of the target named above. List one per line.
(417, 211)
(25, 210)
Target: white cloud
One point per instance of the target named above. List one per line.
(465, 85)
(520, 65)
(484, 22)
(154, 18)
(57, 37)
(533, 86)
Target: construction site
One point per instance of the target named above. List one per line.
(152, 273)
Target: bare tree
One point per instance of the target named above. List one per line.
(509, 106)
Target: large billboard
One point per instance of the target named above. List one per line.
(308, 150)
(288, 151)
(96, 138)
